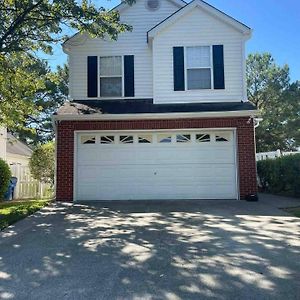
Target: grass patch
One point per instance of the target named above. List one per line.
(294, 211)
(13, 211)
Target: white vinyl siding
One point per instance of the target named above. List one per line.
(197, 164)
(128, 43)
(197, 28)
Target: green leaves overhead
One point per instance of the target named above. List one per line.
(29, 91)
(30, 25)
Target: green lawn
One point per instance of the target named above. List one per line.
(294, 211)
(13, 211)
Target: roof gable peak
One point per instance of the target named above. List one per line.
(244, 29)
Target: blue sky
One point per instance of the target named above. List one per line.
(276, 26)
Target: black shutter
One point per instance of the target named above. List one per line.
(218, 60)
(92, 76)
(178, 68)
(129, 75)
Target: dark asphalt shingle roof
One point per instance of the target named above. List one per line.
(141, 106)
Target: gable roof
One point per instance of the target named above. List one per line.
(14, 146)
(119, 7)
(244, 29)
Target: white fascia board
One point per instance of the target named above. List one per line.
(245, 30)
(147, 116)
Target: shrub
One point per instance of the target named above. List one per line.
(5, 175)
(280, 175)
(42, 163)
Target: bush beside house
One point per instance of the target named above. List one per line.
(42, 163)
(5, 175)
(280, 175)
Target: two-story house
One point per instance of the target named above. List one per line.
(161, 113)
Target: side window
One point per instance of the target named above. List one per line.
(88, 139)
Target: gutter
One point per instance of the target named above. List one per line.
(151, 116)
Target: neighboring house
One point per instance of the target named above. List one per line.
(13, 151)
(161, 113)
(17, 155)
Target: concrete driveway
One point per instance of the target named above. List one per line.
(169, 250)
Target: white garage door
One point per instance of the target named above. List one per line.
(155, 165)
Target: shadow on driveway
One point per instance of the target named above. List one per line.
(163, 250)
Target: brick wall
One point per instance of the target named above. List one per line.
(65, 146)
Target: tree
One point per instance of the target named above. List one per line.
(20, 83)
(38, 128)
(270, 90)
(30, 25)
(42, 163)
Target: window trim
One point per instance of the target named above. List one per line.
(111, 76)
(211, 68)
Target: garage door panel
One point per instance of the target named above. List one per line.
(156, 156)
(156, 171)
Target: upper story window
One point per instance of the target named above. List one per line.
(111, 76)
(199, 67)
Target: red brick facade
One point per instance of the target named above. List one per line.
(245, 137)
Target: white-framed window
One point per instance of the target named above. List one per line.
(111, 76)
(199, 67)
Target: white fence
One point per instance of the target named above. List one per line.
(273, 154)
(27, 187)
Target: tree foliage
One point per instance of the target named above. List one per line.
(280, 175)
(278, 101)
(35, 24)
(42, 163)
(29, 92)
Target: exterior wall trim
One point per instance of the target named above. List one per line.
(102, 117)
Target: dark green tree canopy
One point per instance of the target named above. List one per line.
(29, 91)
(35, 24)
(278, 101)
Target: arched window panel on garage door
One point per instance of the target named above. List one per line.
(203, 137)
(107, 139)
(164, 138)
(145, 138)
(223, 136)
(183, 138)
(126, 139)
(88, 139)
